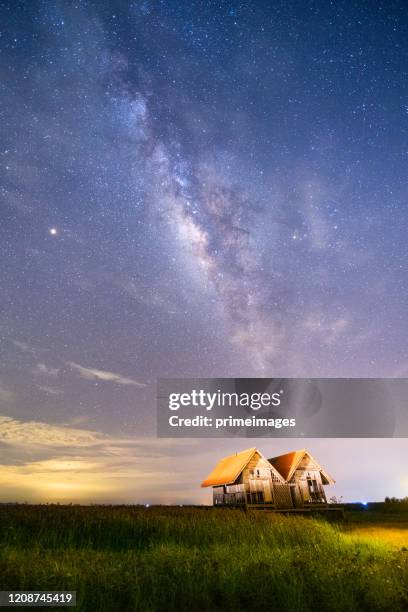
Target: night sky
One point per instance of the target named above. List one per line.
(194, 189)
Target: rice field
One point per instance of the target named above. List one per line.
(165, 558)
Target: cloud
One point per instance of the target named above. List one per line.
(80, 419)
(42, 462)
(104, 375)
(49, 390)
(23, 346)
(41, 368)
(34, 433)
(88, 373)
(34, 352)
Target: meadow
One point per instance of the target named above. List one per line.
(166, 558)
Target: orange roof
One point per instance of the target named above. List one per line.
(229, 468)
(287, 464)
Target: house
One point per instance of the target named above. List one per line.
(290, 481)
(304, 475)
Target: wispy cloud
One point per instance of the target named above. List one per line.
(42, 369)
(24, 347)
(34, 433)
(95, 374)
(49, 390)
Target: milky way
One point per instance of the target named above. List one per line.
(213, 189)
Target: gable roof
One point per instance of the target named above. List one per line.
(287, 464)
(229, 468)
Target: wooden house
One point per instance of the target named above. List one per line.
(304, 475)
(246, 479)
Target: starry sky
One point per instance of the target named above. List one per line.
(193, 189)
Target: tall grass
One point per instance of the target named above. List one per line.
(129, 558)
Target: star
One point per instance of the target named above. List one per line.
(53, 231)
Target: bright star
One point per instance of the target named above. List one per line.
(53, 231)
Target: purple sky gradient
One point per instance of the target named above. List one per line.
(194, 189)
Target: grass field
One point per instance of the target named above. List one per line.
(132, 558)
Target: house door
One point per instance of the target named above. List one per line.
(267, 491)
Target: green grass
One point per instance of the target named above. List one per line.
(131, 558)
